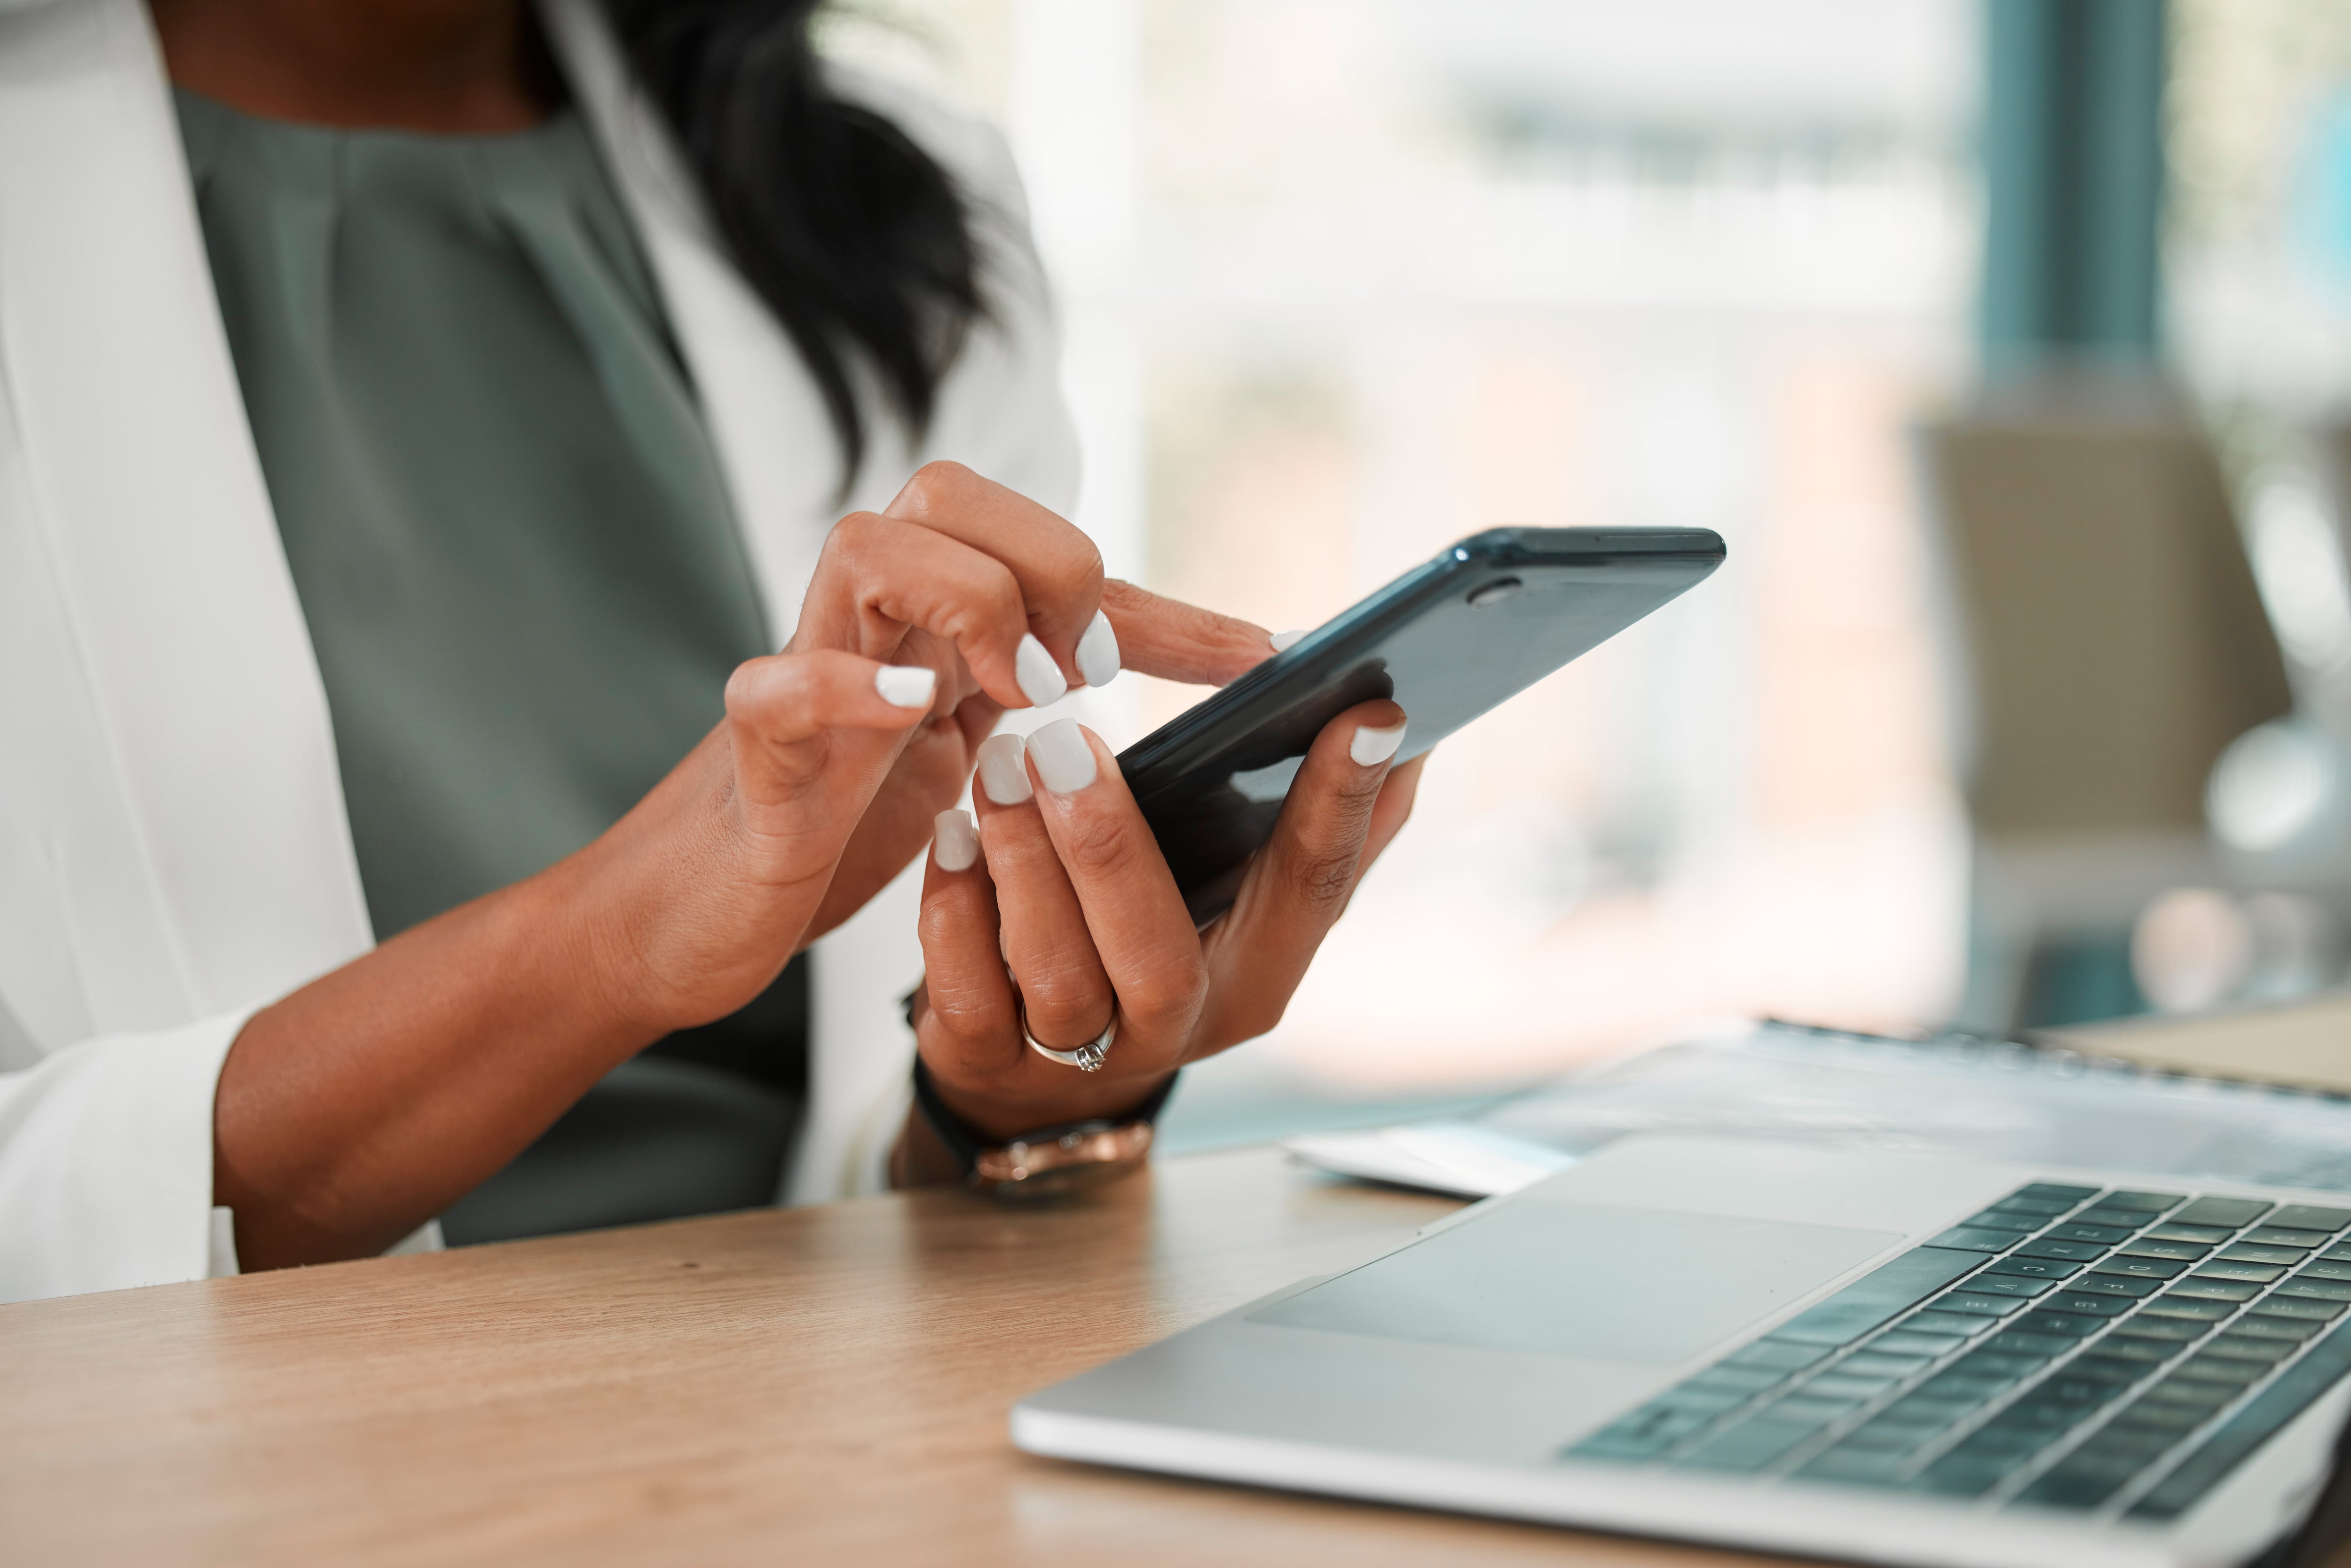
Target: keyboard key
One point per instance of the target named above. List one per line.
(2280, 1236)
(2232, 1212)
(1871, 1362)
(2147, 1247)
(2206, 1367)
(2107, 1369)
(2021, 1204)
(2179, 1328)
(2261, 1327)
(1921, 1407)
(1737, 1379)
(2072, 1194)
(2238, 1436)
(1893, 1288)
(2005, 1366)
(1814, 1412)
(2013, 1285)
(2103, 1234)
(2124, 1286)
(2192, 1393)
(2147, 1202)
(1993, 1220)
(2202, 1288)
(1960, 1323)
(2340, 1250)
(2241, 1346)
(1908, 1341)
(2062, 1388)
(2171, 1304)
(1778, 1354)
(1708, 1402)
(1965, 1475)
(2139, 1349)
(1751, 1445)
(2327, 1269)
(2305, 1288)
(2075, 1252)
(2288, 1307)
(2246, 1252)
(2009, 1441)
(2113, 1219)
(2071, 1300)
(1650, 1430)
(2161, 1418)
(2143, 1445)
(2075, 1325)
(2139, 1268)
(2229, 1269)
(1969, 1239)
(1888, 1437)
(2206, 1235)
(2077, 1483)
(2309, 1217)
(1856, 1466)
(2032, 1268)
(1834, 1385)
(1962, 1388)
(2020, 1342)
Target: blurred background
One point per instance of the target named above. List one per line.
(2006, 341)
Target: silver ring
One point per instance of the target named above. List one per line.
(1087, 1058)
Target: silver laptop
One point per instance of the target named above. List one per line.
(1898, 1358)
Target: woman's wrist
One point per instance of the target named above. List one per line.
(998, 1117)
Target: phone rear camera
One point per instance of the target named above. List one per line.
(1494, 592)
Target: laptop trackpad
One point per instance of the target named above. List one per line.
(1650, 1286)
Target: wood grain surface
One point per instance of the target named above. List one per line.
(817, 1385)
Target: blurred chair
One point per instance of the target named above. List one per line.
(2115, 644)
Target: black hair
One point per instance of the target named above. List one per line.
(853, 234)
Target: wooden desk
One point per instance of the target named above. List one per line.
(813, 1385)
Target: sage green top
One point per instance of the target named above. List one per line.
(505, 518)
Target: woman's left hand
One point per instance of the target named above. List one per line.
(1071, 916)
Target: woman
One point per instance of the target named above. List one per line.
(418, 419)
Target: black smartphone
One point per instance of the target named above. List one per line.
(1488, 618)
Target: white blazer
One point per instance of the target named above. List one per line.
(173, 848)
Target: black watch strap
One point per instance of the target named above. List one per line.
(967, 1146)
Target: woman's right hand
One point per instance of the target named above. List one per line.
(959, 600)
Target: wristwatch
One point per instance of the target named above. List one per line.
(1048, 1163)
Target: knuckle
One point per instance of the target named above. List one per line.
(1322, 879)
(1075, 570)
(939, 483)
(1098, 849)
(1064, 1000)
(1166, 1001)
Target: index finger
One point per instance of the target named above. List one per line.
(1056, 566)
(1180, 642)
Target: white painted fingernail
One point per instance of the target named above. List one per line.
(1370, 747)
(906, 686)
(954, 842)
(1041, 681)
(1003, 776)
(1065, 759)
(1283, 642)
(1098, 652)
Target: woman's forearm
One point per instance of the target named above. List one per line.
(359, 1106)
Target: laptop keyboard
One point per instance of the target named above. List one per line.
(2069, 1347)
